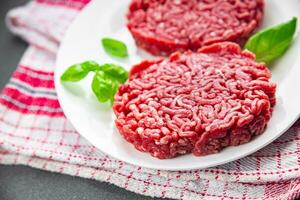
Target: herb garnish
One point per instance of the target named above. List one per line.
(115, 47)
(106, 80)
(271, 43)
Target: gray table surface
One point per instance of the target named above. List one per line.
(24, 183)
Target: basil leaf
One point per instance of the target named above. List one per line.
(79, 71)
(74, 73)
(115, 47)
(103, 87)
(272, 42)
(90, 66)
(115, 72)
(107, 80)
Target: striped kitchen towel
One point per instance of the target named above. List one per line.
(35, 132)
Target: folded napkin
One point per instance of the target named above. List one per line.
(35, 132)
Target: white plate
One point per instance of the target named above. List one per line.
(95, 121)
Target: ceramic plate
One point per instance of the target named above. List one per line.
(95, 121)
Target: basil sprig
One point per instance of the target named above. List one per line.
(271, 43)
(106, 81)
(115, 47)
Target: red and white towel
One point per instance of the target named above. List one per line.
(35, 132)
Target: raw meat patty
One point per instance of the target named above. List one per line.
(195, 102)
(164, 26)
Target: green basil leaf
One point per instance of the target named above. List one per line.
(90, 66)
(79, 71)
(103, 87)
(115, 47)
(272, 42)
(74, 73)
(115, 72)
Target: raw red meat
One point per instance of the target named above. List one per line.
(164, 26)
(195, 102)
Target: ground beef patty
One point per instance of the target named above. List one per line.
(165, 26)
(195, 102)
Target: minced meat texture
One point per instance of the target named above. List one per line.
(165, 26)
(195, 102)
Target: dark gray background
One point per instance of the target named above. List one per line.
(24, 183)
